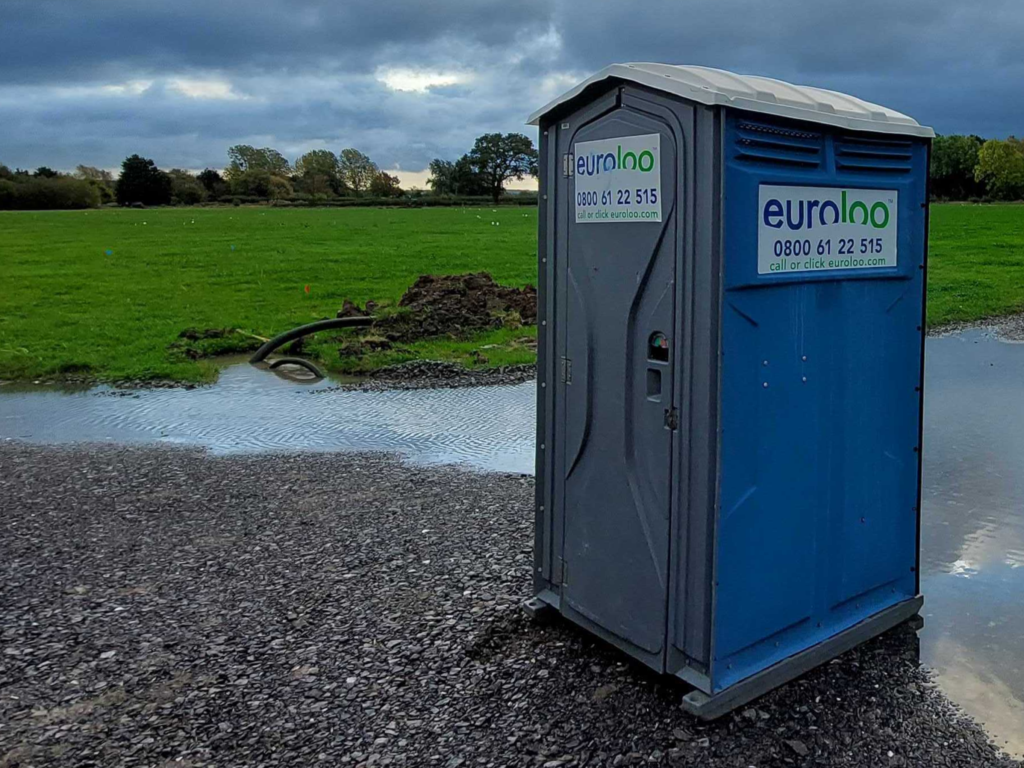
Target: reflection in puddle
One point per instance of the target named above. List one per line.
(973, 516)
(249, 409)
(972, 539)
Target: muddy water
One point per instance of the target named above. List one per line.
(973, 530)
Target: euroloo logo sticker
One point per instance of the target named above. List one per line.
(618, 180)
(815, 229)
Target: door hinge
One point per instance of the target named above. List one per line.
(566, 370)
(672, 418)
(568, 165)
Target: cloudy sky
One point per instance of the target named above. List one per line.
(90, 81)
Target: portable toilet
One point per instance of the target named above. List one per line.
(730, 370)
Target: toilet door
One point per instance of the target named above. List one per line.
(617, 377)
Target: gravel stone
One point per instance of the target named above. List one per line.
(352, 610)
(1009, 328)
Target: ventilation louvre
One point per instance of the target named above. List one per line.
(762, 143)
(864, 154)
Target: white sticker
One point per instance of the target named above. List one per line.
(813, 229)
(618, 180)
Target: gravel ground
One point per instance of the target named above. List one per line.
(166, 608)
(1009, 328)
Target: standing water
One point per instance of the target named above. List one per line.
(972, 537)
(250, 409)
(973, 506)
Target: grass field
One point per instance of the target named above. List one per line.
(975, 262)
(106, 293)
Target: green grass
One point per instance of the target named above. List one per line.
(66, 306)
(69, 307)
(975, 262)
(501, 347)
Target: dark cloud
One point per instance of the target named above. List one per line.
(949, 64)
(88, 39)
(93, 80)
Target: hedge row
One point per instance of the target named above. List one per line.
(65, 193)
(411, 201)
(45, 194)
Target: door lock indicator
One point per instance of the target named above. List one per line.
(657, 347)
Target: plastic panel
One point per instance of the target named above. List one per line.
(820, 419)
(620, 286)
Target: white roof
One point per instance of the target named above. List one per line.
(757, 94)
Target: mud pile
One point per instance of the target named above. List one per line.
(445, 305)
(470, 297)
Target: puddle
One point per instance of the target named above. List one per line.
(972, 537)
(251, 410)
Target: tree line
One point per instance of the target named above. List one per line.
(962, 168)
(258, 174)
(252, 174)
(971, 168)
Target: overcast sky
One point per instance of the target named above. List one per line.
(90, 81)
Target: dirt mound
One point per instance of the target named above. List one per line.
(457, 305)
(444, 305)
(351, 309)
(475, 295)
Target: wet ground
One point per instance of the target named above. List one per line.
(972, 538)
(163, 607)
(973, 531)
(253, 410)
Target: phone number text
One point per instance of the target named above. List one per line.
(636, 196)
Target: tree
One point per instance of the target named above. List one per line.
(250, 170)
(319, 173)
(254, 183)
(243, 158)
(356, 170)
(442, 177)
(954, 159)
(142, 182)
(385, 185)
(185, 188)
(39, 193)
(279, 188)
(88, 173)
(9, 197)
(101, 180)
(498, 157)
(1001, 168)
(458, 178)
(6, 173)
(467, 180)
(212, 183)
(42, 172)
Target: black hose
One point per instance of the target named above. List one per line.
(305, 330)
(311, 367)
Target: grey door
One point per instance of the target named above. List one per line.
(617, 389)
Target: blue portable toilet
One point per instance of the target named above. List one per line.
(730, 371)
